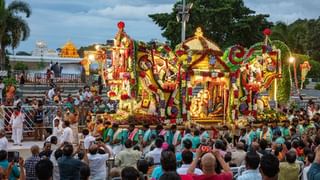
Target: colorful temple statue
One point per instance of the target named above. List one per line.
(305, 68)
(69, 50)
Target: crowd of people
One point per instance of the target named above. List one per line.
(287, 150)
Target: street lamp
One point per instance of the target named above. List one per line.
(291, 61)
(183, 11)
(97, 47)
(91, 57)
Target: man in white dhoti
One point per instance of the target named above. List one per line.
(16, 122)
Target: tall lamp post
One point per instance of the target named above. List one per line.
(183, 16)
(291, 61)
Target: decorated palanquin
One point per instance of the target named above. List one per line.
(253, 78)
(203, 78)
(195, 81)
(154, 81)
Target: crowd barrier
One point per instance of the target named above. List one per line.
(41, 78)
(28, 111)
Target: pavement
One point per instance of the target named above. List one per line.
(311, 93)
(24, 150)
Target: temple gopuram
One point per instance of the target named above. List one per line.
(69, 50)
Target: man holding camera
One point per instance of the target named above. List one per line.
(97, 161)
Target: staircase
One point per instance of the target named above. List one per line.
(39, 90)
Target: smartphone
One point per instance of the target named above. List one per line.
(205, 148)
(13, 156)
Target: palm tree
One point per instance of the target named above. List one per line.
(13, 28)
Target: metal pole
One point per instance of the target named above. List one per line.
(184, 21)
(290, 81)
(275, 92)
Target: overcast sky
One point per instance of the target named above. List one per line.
(93, 21)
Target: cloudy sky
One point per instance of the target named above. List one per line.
(93, 21)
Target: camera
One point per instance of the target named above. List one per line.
(13, 156)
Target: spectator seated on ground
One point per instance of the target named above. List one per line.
(289, 170)
(44, 169)
(269, 167)
(252, 160)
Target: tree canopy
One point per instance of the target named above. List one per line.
(227, 22)
(302, 36)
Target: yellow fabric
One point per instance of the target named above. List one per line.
(289, 171)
